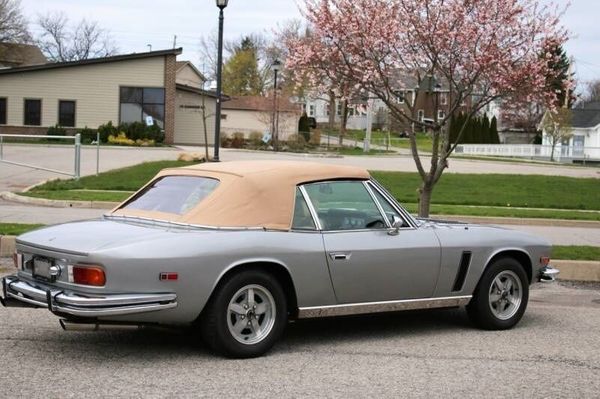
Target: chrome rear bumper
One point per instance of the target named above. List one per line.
(548, 274)
(16, 292)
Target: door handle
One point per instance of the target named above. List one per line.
(340, 255)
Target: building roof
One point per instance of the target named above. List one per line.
(195, 90)
(585, 117)
(91, 61)
(18, 54)
(181, 64)
(260, 103)
(250, 193)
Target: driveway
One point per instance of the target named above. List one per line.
(552, 353)
(16, 178)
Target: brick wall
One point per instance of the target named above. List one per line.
(170, 95)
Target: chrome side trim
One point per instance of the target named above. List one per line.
(384, 306)
(311, 208)
(377, 204)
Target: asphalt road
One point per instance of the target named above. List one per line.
(553, 353)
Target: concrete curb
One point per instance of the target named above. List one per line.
(578, 270)
(21, 199)
(7, 246)
(570, 270)
(592, 224)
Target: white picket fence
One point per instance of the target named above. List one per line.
(530, 151)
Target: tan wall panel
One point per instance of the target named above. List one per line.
(255, 121)
(95, 88)
(187, 76)
(189, 128)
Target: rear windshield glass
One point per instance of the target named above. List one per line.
(173, 194)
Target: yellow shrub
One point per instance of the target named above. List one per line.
(121, 139)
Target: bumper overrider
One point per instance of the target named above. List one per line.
(20, 293)
(548, 274)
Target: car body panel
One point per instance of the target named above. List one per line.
(413, 264)
(381, 267)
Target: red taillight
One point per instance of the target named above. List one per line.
(544, 260)
(89, 275)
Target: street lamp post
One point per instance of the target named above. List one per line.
(275, 125)
(221, 4)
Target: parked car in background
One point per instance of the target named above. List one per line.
(237, 249)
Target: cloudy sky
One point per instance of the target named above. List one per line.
(136, 23)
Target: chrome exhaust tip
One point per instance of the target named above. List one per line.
(68, 325)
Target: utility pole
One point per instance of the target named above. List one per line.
(174, 41)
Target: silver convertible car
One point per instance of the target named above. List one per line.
(237, 249)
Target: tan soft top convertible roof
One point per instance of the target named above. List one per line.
(250, 193)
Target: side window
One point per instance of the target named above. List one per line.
(302, 218)
(388, 209)
(344, 205)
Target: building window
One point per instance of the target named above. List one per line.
(400, 95)
(339, 109)
(138, 103)
(443, 98)
(33, 113)
(420, 115)
(311, 110)
(2, 111)
(66, 113)
(223, 117)
(441, 114)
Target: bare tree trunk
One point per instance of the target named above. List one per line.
(343, 122)
(331, 110)
(552, 150)
(425, 192)
(204, 118)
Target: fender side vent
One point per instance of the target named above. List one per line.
(461, 275)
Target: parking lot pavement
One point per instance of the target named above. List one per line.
(554, 352)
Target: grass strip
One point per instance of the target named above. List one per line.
(14, 229)
(576, 252)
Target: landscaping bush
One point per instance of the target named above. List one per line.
(108, 129)
(238, 140)
(56, 130)
(225, 141)
(120, 139)
(255, 139)
(87, 135)
(315, 137)
(296, 142)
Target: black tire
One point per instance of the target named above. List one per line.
(490, 316)
(216, 318)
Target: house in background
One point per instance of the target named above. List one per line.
(122, 89)
(250, 114)
(16, 55)
(430, 98)
(584, 142)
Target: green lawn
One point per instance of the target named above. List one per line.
(572, 252)
(455, 194)
(527, 191)
(14, 229)
(380, 138)
(462, 210)
(125, 179)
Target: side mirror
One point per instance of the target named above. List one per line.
(397, 223)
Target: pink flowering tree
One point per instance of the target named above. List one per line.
(481, 51)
